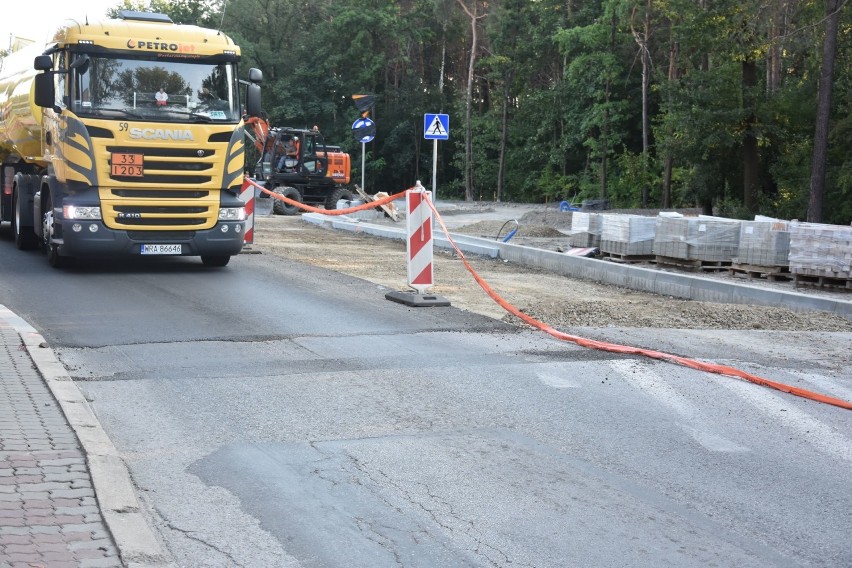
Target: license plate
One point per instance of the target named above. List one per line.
(162, 249)
(127, 165)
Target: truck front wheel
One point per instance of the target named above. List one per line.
(54, 259)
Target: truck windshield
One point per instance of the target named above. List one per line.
(166, 91)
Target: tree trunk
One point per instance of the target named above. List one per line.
(774, 52)
(504, 134)
(667, 181)
(468, 107)
(645, 56)
(669, 159)
(820, 155)
(605, 127)
(751, 157)
(468, 119)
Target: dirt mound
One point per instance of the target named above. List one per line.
(554, 218)
(500, 229)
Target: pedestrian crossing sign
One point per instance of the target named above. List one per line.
(436, 126)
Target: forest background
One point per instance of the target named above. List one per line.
(737, 107)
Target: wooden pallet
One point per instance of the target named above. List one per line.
(389, 209)
(752, 271)
(627, 258)
(692, 264)
(829, 282)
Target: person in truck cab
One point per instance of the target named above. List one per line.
(205, 96)
(162, 97)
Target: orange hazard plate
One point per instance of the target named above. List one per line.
(127, 164)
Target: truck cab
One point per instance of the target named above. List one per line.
(125, 137)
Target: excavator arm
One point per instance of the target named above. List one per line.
(257, 129)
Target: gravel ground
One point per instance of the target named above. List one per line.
(559, 301)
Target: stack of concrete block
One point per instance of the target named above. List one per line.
(585, 229)
(628, 235)
(712, 239)
(821, 250)
(764, 242)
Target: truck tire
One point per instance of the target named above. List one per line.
(25, 237)
(215, 261)
(336, 195)
(54, 259)
(282, 207)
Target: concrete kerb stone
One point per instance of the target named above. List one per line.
(472, 245)
(751, 295)
(134, 538)
(629, 276)
(479, 246)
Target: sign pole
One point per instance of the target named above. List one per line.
(435, 168)
(363, 159)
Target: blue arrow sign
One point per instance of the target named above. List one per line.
(436, 126)
(364, 130)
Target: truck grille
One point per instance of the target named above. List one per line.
(178, 190)
(154, 209)
(161, 236)
(159, 194)
(160, 222)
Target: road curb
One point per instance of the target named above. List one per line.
(136, 541)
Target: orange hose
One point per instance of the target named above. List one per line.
(300, 205)
(581, 341)
(624, 349)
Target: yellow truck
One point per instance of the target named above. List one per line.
(126, 137)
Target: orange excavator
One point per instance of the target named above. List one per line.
(298, 164)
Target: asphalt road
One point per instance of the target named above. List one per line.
(277, 414)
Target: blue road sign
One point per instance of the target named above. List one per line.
(364, 130)
(436, 126)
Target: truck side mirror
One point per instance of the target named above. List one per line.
(253, 100)
(45, 92)
(255, 75)
(43, 63)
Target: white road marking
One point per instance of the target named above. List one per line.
(822, 436)
(642, 377)
(826, 385)
(562, 375)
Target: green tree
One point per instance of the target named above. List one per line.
(596, 73)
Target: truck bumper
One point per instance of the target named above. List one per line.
(93, 238)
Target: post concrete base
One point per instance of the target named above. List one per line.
(417, 300)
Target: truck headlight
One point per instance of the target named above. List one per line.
(232, 214)
(84, 213)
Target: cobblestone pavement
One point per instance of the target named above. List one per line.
(49, 516)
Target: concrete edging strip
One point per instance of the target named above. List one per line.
(134, 538)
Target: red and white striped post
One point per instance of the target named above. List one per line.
(419, 247)
(420, 251)
(247, 196)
